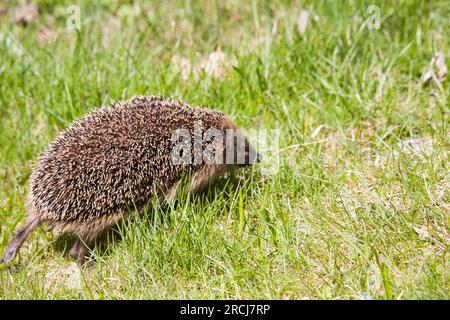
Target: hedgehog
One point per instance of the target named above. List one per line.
(121, 157)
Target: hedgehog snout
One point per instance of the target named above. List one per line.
(240, 152)
(251, 156)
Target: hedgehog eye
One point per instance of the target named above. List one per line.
(224, 133)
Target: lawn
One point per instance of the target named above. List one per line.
(358, 206)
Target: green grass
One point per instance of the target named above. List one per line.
(350, 213)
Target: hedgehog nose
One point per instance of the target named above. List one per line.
(258, 158)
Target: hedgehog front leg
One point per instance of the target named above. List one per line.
(80, 248)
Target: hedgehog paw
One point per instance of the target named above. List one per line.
(7, 257)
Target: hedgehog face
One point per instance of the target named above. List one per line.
(238, 152)
(231, 151)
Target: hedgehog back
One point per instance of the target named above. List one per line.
(111, 160)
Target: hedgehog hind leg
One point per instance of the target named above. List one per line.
(19, 238)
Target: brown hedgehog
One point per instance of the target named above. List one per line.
(119, 158)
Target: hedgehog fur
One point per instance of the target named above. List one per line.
(114, 160)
